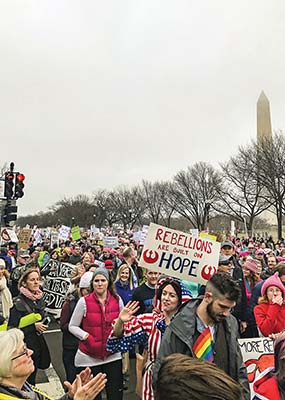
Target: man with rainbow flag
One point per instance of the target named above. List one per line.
(204, 328)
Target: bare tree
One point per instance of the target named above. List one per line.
(194, 191)
(242, 195)
(270, 161)
(105, 208)
(153, 194)
(77, 210)
(4, 168)
(130, 205)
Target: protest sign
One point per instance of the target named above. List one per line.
(110, 241)
(24, 238)
(207, 235)
(75, 233)
(180, 254)
(194, 232)
(54, 238)
(137, 236)
(63, 233)
(8, 235)
(258, 355)
(37, 237)
(56, 285)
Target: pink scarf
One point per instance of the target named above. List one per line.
(38, 294)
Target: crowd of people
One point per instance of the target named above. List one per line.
(114, 308)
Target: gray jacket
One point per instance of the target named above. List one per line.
(179, 336)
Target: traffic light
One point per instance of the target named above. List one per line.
(19, 185)
(10, 212)
(9, 184)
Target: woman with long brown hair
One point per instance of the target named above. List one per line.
(30, 301)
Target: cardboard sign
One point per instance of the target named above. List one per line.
(110, 241)
(56, 285)
(24, 238)
(75, 233)
(258, 355)
(180, 254)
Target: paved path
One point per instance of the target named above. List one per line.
(50, 380)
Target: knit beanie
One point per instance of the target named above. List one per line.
(251, 264)
(273, 280)
(101, 271)
(85, 280)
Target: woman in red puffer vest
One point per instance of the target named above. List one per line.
(91, 323)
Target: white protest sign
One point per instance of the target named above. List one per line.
(258, 355)
(37, 237)
(194, 232)
(94, 229)
(180, 254)
(8, 235)
(110, 241)
(63, 233)
(137, 236)
(54, 238)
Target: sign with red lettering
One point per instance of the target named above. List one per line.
(258, 357)
(179, 254)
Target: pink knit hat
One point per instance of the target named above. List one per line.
(251, 264)
(274, 280)
(243, 254)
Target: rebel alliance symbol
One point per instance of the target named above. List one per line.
(150, 256)
(208, 271)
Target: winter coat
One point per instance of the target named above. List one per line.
(180, 335)
(24, 306)
(124, 291)
(270, 318)
(28, 392)
(69, 341)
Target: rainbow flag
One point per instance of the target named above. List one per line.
(203, 346)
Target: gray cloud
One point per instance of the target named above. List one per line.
(98, 94)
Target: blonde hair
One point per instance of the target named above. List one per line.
(9, 342)
(131, 278)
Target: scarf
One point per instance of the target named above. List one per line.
(37, 295)
(6, 298)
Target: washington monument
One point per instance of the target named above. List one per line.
(264, 131)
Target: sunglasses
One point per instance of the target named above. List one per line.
(25, 353)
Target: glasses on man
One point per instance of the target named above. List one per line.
(24, 353)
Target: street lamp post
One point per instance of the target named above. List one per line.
(207, 213)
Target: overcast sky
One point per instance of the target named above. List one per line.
(96, 94)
